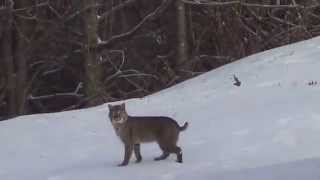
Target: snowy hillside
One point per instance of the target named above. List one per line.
(266, 129)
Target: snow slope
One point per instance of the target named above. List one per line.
(268, 128)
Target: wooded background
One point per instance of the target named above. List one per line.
(66, 54)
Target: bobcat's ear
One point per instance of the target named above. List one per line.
(110, 106)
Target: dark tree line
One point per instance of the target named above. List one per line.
(65, 54)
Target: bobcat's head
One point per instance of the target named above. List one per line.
(118, 114)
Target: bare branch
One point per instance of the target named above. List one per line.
(241, 3)
(122, 59)
(30, 7)
(107, 80)
(80, 86)
(81, 103)
(125, 73)
(77, 13)
(55, 95)
(114, 39)
(162, 7)
(75, 94)
(55, 11)
(114, 9)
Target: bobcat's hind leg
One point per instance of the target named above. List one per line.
(163, 156)
(177, 150)
(165, 152)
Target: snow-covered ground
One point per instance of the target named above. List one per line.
(266, 129)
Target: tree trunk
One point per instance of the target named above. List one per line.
(109, 21)
(92, 67)
(8, 62)
(24, 30)
(182, 45)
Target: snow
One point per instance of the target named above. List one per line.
(268, 128)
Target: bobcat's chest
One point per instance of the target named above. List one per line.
(119, 130)
(119, 126)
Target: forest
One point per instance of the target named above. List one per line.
(59, 55)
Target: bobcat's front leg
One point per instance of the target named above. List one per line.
(127, 154)
(137, 152)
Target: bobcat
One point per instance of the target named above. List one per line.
(133, 130)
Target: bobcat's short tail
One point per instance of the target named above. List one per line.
(184, 127)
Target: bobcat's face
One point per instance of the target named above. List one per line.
(117, 114)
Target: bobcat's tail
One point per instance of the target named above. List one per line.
(184, 127)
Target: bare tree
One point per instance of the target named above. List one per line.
(7, 53)
(23, 34)
(182, 43)
(93, 85)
